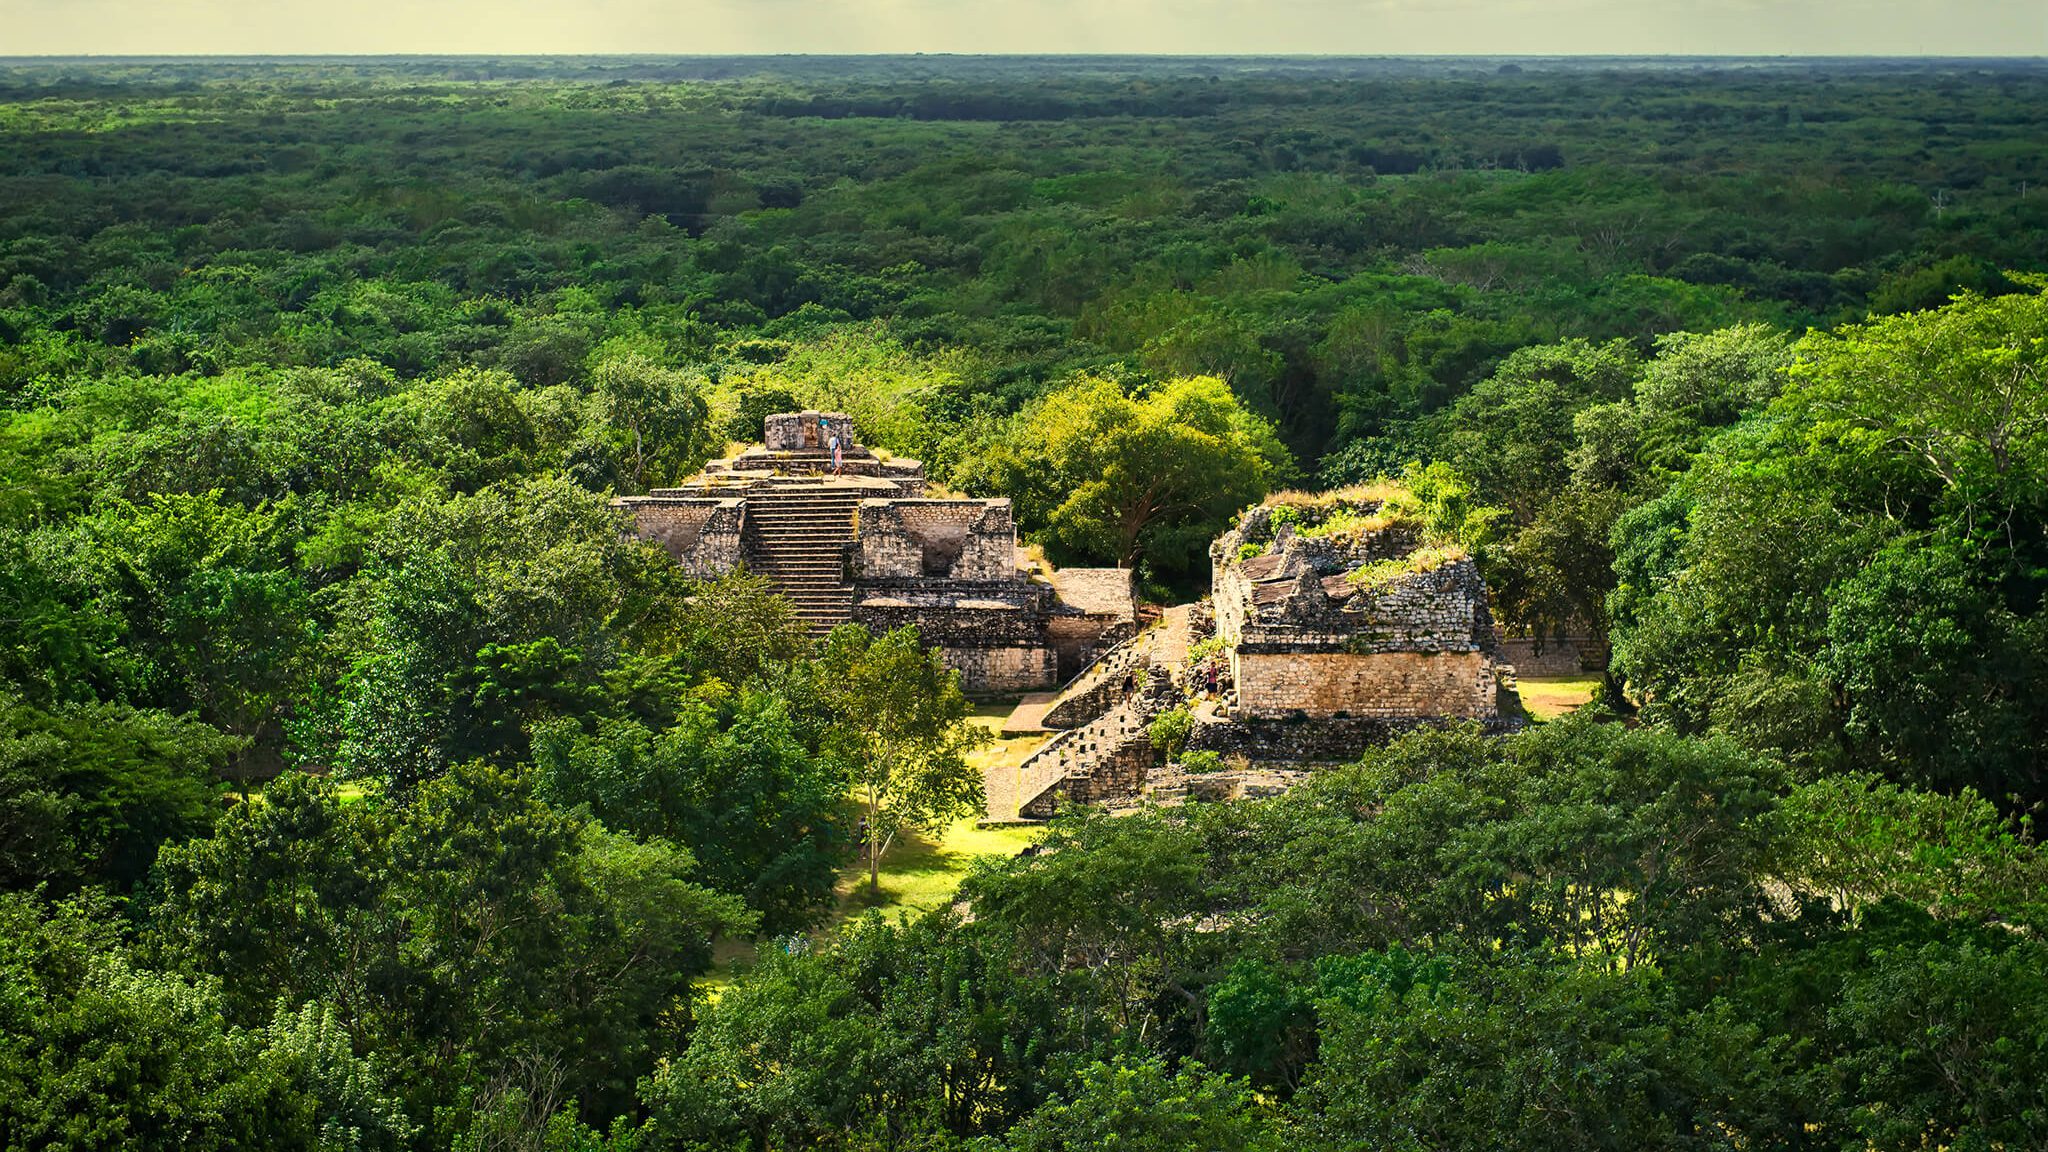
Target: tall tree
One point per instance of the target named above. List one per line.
(1118, 476)
(900, 728)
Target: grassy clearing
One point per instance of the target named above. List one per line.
(1548, 697)
(919, 873)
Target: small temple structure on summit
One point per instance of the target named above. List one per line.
(847, 534)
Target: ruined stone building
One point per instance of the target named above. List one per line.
(1338, 612)
(1332, 626)
(849, 535)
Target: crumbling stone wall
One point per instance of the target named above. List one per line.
(1352, 624)
(937, 540)
(1442, 610)
(993, 632)
(887, 549)
(1299, 740)
(1006, 671)
(702, 534)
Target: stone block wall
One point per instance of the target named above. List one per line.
(1081, 638)
(1303, 741)
(937, 540)
(1443, 610)
(993, 632)
(806, 431)
(1560, 656)
(950, 612)
(887, 549)
(1006, 671)
(702, 534)
(1371, 684)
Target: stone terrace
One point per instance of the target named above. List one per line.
(847, 535)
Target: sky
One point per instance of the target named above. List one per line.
(1334, 27)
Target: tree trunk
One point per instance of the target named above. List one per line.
(874, 849)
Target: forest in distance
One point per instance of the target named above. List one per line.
(363, 786)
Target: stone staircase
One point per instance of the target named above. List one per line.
(1100, 686)
(1157, 650)
(1105, 760)
(797, 536)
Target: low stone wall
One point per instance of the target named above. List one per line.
(1007, 671)
(1302, 741)
(1378, 684)
(1560, 656)
(1296, 741)
(1252, 784)
(702, 534)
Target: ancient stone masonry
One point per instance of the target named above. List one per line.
(848, 535)
(1349, 618)
(1336, 627)
(1105, 761)
(1577, 655)
(1103, 685)
(703, 534)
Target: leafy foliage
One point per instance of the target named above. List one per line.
(316, 378)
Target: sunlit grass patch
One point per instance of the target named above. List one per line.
(1548, 697)
(919, 874)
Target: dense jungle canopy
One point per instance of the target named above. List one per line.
(363, 786)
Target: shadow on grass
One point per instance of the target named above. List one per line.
(920, 873)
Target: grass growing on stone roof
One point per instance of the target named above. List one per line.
(1351, 524)
(1380, 573)
(1376, 492)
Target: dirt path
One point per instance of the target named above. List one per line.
(1028, 717)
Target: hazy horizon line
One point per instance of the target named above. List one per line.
(1097, 55)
